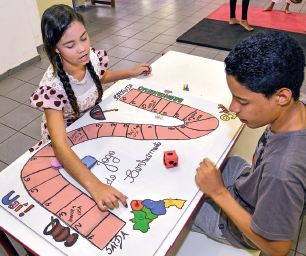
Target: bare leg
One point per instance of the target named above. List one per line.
(234, 21)
(269, 8)
(246, 25)
(244, 21)
(287, 8)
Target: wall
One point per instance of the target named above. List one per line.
(20, 33)
(44, 4)
(34, 19)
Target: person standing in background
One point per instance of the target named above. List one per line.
(243, 22)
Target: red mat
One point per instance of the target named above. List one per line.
(294, 22)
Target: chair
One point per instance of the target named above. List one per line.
(111, 3)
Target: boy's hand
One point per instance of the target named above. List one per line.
(209, 178)
(107, 196)
(142, 68)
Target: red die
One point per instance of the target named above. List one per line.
(170, 159)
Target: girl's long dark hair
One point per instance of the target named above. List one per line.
(55, 21)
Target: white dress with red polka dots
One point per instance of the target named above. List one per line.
(51, 94)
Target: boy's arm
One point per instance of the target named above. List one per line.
(112, 76)
(210, 181)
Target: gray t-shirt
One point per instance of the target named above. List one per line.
(273, 190)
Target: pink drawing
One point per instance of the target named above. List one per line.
(55, 164)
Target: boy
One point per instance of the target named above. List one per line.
(259, 206)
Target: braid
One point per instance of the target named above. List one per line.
(96, 79)
(67, 86)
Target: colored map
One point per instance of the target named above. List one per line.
(147, 210)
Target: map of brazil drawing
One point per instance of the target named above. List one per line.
(122, 141)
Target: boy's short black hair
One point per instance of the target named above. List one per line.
(266, 62)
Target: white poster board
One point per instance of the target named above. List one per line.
(126, 136)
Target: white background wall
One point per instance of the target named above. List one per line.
(19, 32)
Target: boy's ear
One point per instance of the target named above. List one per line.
(284, 96)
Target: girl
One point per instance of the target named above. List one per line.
(70, 87)
(244, 21)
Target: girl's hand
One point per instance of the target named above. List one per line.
(107, 196)
(142, 68)
(101, 193)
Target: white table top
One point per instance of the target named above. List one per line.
(205, 79)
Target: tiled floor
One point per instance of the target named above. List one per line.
(135, 31)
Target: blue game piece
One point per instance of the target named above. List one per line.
(89, 161)
(157, 208)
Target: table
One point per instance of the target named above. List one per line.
(170, 71)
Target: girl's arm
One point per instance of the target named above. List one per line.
(101, 193)
(112, 76)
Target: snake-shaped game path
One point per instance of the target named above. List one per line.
(50, 189)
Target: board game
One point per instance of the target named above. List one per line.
(123, 141)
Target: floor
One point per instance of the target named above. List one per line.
(135, 31)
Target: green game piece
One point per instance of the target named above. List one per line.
(149, 214)
(141, 223)
(137, 216)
